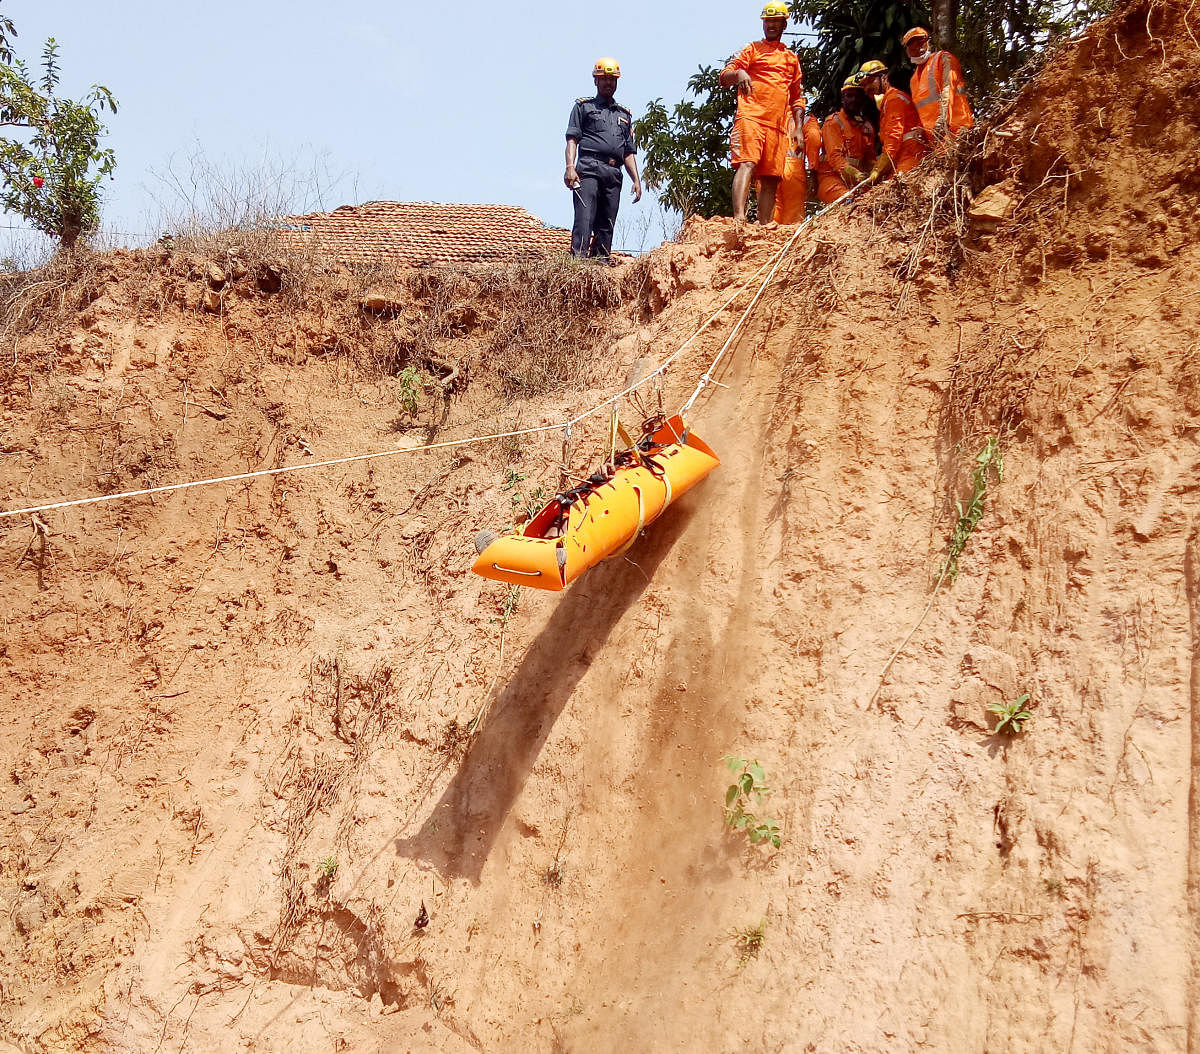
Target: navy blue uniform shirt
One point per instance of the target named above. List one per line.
(602, 126)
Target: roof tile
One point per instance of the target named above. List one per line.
(420, 233)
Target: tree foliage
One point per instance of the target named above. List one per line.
(849, 33)
(685, 150)
(997, 39)
(51, 176)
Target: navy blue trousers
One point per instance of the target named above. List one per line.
(596, 204)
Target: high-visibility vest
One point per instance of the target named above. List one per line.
(927, 94)
(904, 137)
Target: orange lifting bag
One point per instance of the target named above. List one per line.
(581, 527)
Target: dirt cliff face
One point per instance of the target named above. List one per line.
(253, 733)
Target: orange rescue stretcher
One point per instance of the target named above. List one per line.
(604, 516)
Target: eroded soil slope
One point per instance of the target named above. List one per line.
(239, 724)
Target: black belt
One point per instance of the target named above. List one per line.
(600, 157)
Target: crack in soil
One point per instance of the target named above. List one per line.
(1191, 567)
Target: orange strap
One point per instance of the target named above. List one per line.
(859, 161)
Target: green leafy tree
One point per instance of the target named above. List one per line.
(685, 150)
(997, 39)
(994, 39)
(51, 177)
(847, 34)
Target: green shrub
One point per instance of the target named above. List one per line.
(1012, 715)
(749, 789)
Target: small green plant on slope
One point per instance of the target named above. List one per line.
(749, 789)
(989, 461)
(748, 942)
(328, 868)
(411, 385)
(1012, 715)
(524, 506)
(509, 606)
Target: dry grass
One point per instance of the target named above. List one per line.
(46, 297)
(551, 314)
(534, 326)
(537, 321)
(361, 707)
(440, 308)
(308, 789)
(223, 248)
(991, 379)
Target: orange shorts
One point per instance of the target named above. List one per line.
(760, 145)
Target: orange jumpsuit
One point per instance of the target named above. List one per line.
(812, 143)
(845, 139)
(793, 188)
(760, 130)
(941, 75)
(905, 140)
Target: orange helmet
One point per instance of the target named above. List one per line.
(913, 34)
(606, 68)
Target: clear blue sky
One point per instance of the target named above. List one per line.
(454, 102)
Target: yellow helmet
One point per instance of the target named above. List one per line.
(775, 9)
(853, 82)
(871, 68)
(606, 68)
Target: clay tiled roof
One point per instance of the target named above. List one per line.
(421, 233)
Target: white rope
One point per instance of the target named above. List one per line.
(607, 403)
(662, 366)
(275, 471)
(707, 378)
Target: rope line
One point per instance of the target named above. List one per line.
(445, 445)
(662, 366)
(166, 487)
(707, 378)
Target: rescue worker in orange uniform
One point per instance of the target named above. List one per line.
(812, 152)
(799, 183)
(770, 90)
(939, 90)
(905, 141)
(849, 145)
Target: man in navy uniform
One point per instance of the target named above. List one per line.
(599, 144)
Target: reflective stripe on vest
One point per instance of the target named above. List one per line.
(858, 161)
(934, 97)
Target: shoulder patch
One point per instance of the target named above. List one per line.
(623, 109)
(584, 98)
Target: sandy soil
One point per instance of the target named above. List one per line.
(236, 719)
